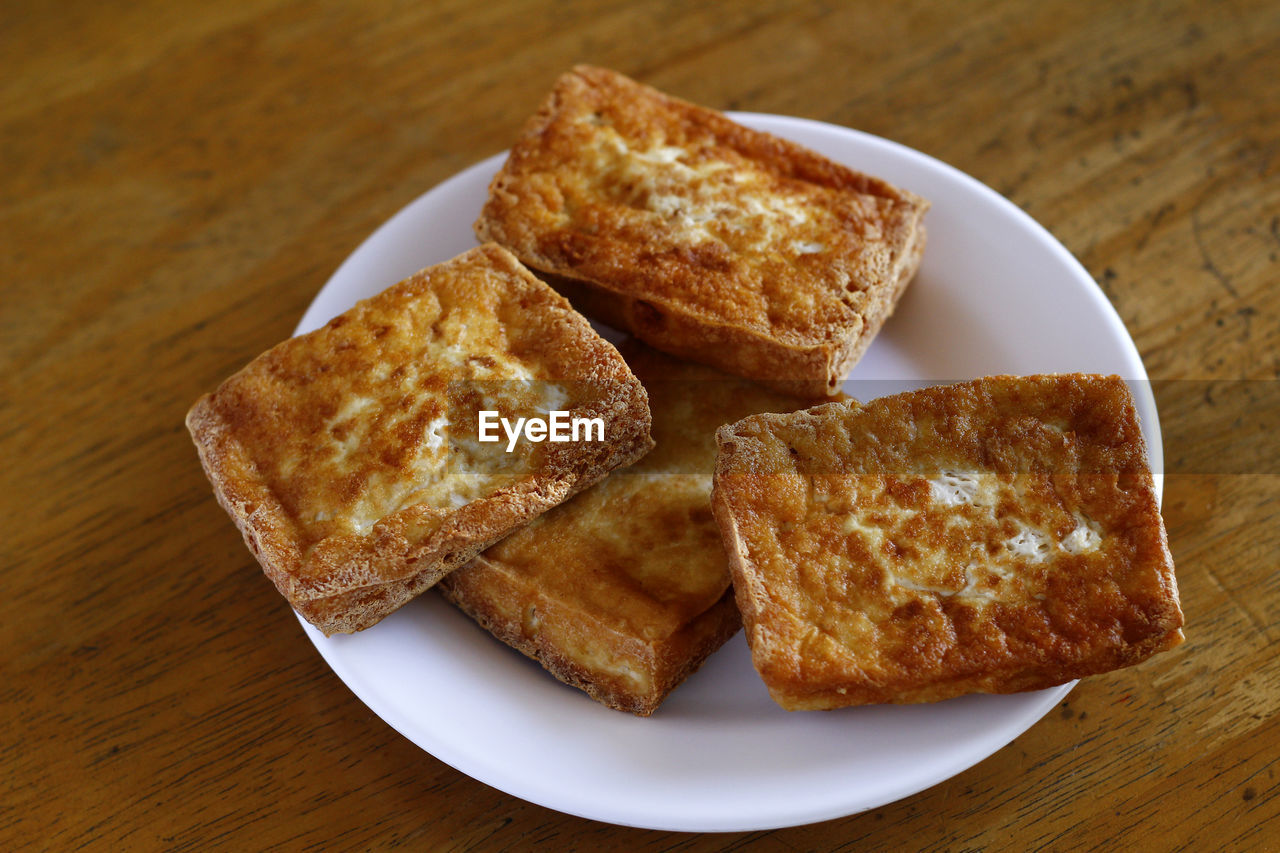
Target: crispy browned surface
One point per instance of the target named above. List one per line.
(624, 590)
(702, 237)
(994, 536)
(348, 456)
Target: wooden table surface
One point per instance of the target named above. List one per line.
(178, 180)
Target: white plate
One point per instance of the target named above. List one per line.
(996, 294)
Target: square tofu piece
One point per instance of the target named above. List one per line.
(624, 590)
(704, 238)
(992, 536)
(350, 457)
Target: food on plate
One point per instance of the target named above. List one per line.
(624, 590)
(704, 238)
(351, 457)
(991, 536)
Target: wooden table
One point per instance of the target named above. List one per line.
(179, 179)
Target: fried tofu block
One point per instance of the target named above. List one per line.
(350, 457)
(993, 536)
(624, 590)
(704, 238)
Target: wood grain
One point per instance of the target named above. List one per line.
(179, 179)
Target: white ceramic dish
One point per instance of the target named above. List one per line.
(996, 294)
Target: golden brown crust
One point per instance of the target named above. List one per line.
(702, 237)
(624, 590)
(348, 457)
(993, 536)
(645, 671)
